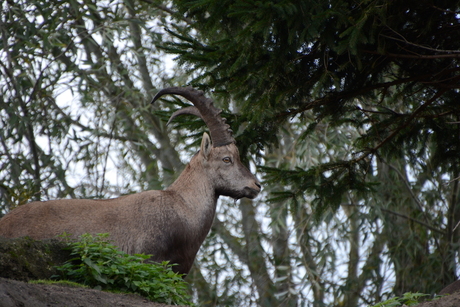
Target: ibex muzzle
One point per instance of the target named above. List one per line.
(171, 224)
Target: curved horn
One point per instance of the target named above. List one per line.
(221, 134)
(187, 110)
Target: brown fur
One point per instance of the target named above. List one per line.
(170, 224)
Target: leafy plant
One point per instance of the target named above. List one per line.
(101, 265)
(408, 299)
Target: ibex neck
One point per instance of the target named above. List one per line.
(198, 192)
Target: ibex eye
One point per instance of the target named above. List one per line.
(227, 160)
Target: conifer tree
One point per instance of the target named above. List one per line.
(379, 79)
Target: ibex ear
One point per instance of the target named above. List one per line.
(206, 146)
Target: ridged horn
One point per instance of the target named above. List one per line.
(187, 110)
(220, 131)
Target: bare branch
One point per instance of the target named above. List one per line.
(404, 40)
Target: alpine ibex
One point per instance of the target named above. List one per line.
(170, 224)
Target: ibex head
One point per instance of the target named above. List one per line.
(219, 153)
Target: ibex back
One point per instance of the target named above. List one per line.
(170, 224)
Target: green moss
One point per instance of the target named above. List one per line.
(25, 259)
(66, 283)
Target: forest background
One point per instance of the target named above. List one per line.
(348, 111)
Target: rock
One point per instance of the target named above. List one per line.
(25, 259)
(452, 300)
(15, 293)
(452, 288)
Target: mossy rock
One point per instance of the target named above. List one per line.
(27, 259)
